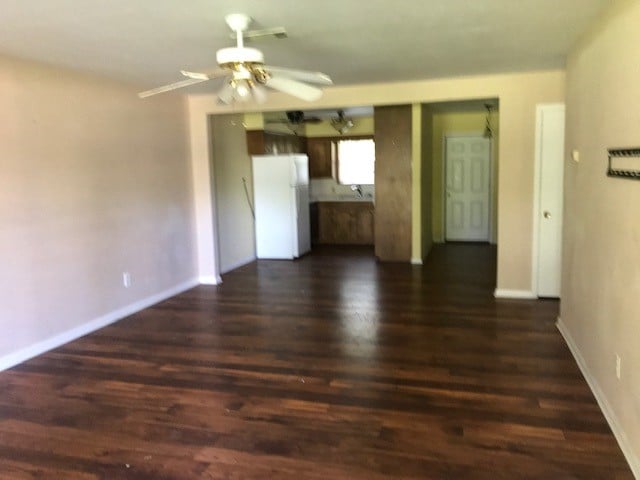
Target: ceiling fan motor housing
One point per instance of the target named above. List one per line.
(239, 55)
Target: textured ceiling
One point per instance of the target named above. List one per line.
(147, 42)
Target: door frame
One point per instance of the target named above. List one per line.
(537, 170)
(443, 181)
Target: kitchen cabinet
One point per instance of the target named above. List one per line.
(345, 223)
(319, 151)
(278, 143)
(260, 142)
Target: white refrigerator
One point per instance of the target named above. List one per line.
(281, 196)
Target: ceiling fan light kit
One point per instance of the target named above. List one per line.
(245, 73)
(341, 123)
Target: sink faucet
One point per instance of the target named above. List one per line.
(357, 189)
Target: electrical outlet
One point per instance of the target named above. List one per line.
(126, 279)
(618, 366)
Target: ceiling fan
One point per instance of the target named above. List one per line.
(246, 75)
(295, 117)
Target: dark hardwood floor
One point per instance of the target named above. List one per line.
(329, 367)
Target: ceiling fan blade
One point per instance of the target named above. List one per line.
(294, 88)
(226, 93)
(208, 75)
(171, 86)
(302, 75)
(259, 93)
(278, 32)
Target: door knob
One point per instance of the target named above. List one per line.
(547, 214)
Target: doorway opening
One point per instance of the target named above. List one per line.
(465, 164)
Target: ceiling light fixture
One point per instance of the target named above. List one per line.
(488, 131)
(342, 124)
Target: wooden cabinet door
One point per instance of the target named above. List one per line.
(343, 223)
(319, 152)
(364, 226)
(325, 223)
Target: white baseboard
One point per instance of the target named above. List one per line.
(603, 403)
(516, 294)
(239, 264)
(38, 348)
(210, 280)
(416, 261)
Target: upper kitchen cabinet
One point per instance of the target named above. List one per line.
(319, 151)
(260, 142)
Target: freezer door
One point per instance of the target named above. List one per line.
(302, 229)
(300, 170)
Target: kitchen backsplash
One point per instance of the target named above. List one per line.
(328, 190)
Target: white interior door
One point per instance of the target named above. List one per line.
(467, 188)
(550, 137)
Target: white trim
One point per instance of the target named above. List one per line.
(416, 261)
(537, 166)
(492, 182)
(623, 441)
(473, 134)
(515, 294)
(239, 264)
(38, 348)
(210, 280)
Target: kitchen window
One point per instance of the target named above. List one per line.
(355, 161)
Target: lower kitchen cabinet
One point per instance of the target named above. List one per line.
(345, 223)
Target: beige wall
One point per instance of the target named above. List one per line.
(600, 307)
(416, 183)
(518, 94)
(448, 123)
(232, 163)
(94, 182)
(421, 167)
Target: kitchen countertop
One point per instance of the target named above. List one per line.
(341, 198)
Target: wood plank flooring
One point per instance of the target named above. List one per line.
(330, 367)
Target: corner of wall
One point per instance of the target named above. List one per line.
(603, 402)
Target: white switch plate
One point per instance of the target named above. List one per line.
(126, 279)
(618, 366)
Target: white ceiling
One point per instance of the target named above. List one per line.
(147, 42)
